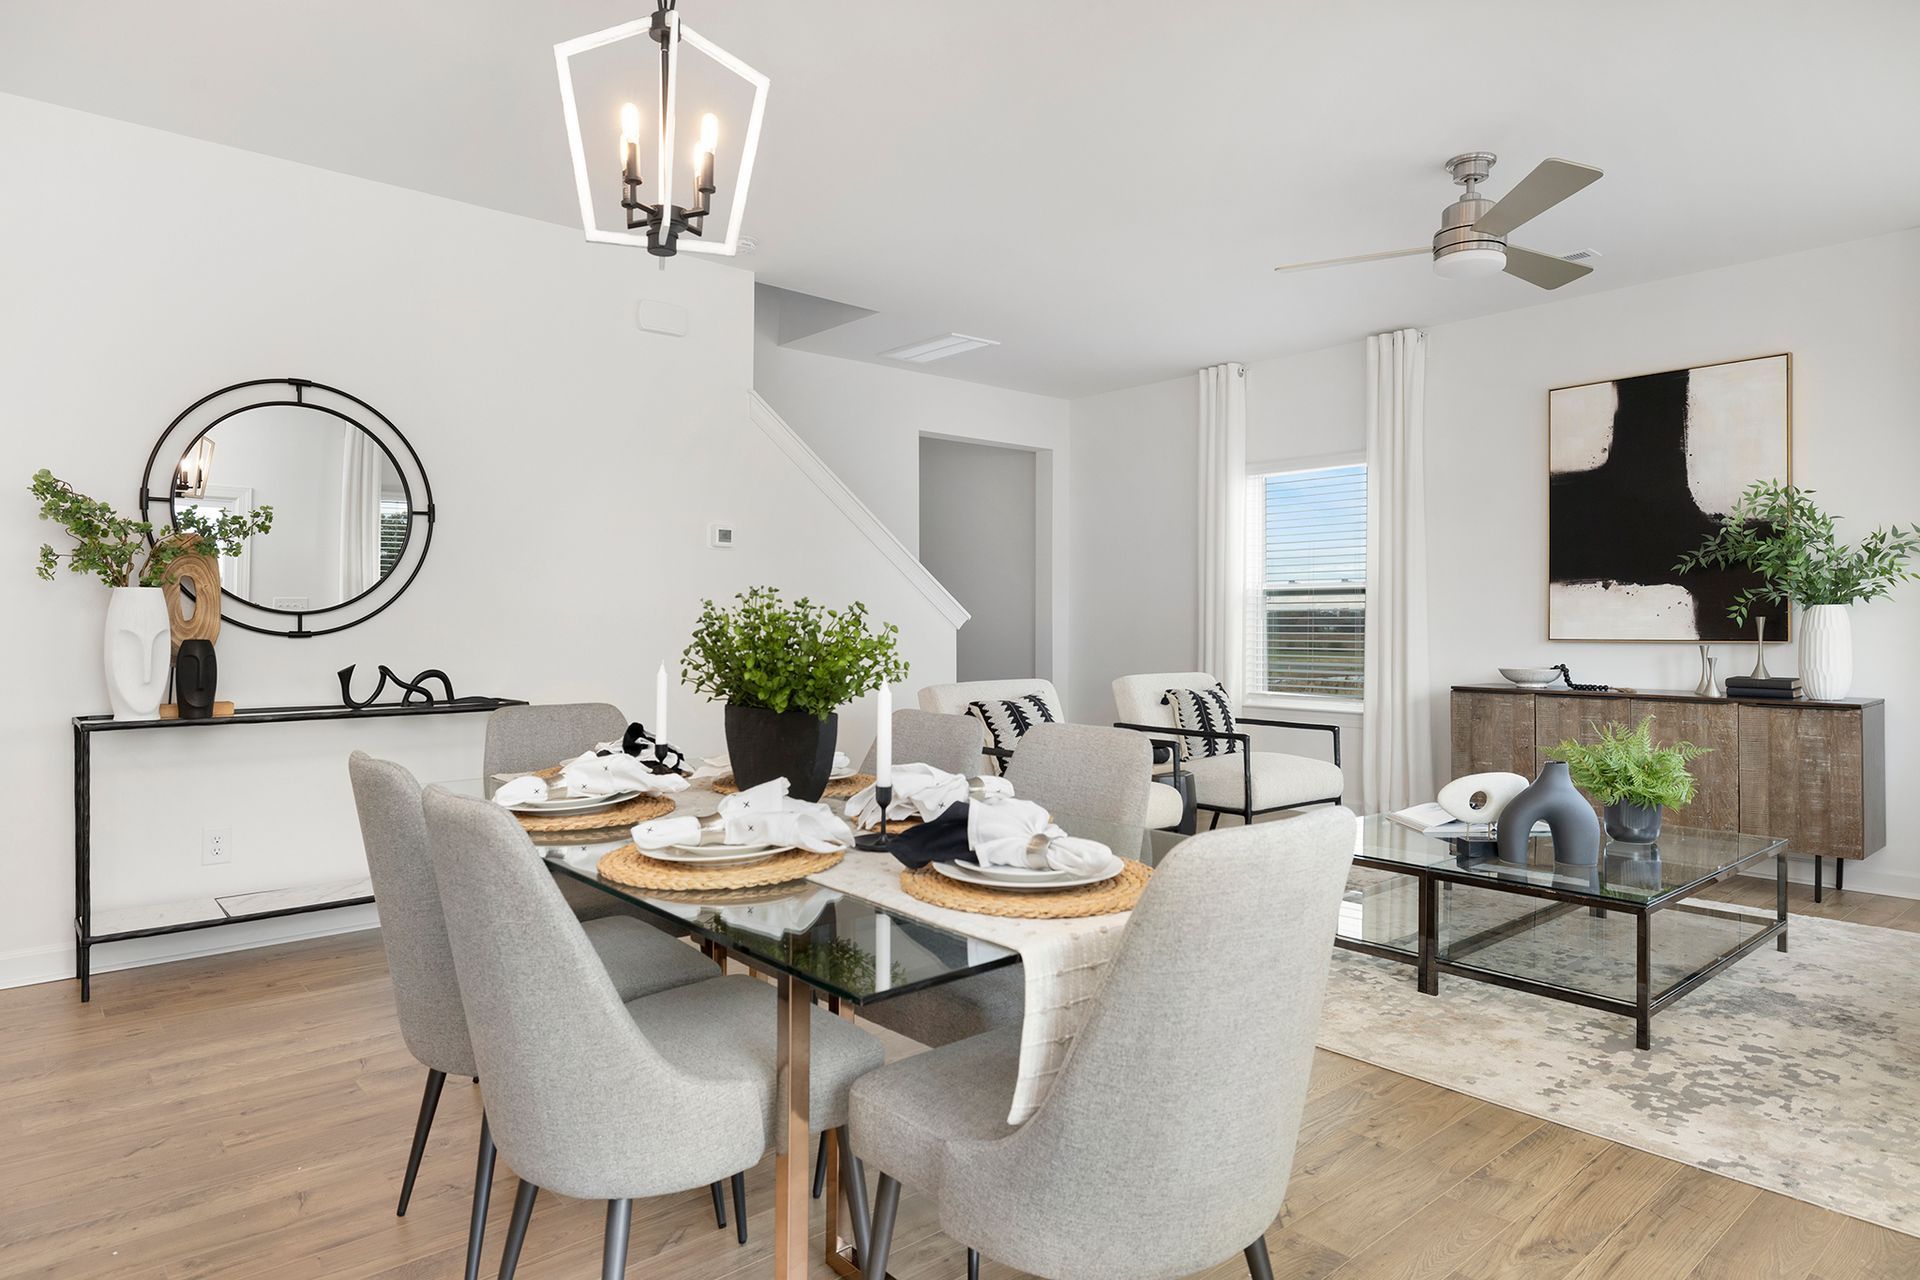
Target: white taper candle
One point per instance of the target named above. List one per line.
(883, 741)
(660, 703)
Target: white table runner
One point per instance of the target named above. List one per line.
(1065, 962)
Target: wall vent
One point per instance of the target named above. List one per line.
(947, 344)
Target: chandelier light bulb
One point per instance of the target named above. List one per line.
(630, 123)
(709, 133)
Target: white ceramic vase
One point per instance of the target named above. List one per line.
(1826, 652)
(138, 651)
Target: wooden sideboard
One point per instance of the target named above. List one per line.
(1812, 772)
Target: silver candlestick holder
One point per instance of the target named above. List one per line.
(1760, 650)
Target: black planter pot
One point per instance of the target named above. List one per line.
(1632, 823)
(763, 745)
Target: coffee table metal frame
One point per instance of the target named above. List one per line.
(1432, 879)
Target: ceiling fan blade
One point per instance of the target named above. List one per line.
(1550, 182)
(1359, 257)
(1543, 269)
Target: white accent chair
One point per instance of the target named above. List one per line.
(1247, 783)
(1167, 806)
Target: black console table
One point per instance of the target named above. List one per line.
(235, 908)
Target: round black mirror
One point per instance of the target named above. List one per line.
(352, 509)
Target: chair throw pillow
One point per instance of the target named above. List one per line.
(1204, 709)
(1007, 719)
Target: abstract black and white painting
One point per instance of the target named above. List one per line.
(1641, 469)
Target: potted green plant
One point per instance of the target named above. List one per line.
(1775, 531)
(784, 671)
(132, 558)
(1632, 776)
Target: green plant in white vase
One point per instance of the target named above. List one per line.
(132, 557)
(1774, 530)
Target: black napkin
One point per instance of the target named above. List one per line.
(944, 839)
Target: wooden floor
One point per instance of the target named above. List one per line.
(248, 1115)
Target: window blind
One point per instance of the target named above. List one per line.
(1309, 604)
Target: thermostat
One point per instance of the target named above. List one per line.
(720, 536)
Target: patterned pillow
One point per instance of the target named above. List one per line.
(1208, 709)
(1007, 719)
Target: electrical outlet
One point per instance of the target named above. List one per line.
(216, 846)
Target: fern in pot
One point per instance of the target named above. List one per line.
(1632, 776)
(1777, 532)
(784, 669)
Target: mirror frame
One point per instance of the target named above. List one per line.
(209, 411)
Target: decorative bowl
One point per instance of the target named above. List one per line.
(1530, 677)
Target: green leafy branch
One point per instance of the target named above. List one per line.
(765, 652)
(111, 546)
(1626, 764)
(1775, 531)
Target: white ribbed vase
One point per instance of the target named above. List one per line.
(1826, 652)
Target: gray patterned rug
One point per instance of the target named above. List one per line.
(1799, 1073)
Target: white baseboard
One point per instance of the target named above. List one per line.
(56, 964)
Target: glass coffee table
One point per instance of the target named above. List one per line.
(1586, 935)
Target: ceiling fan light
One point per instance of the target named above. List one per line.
(1469, 264)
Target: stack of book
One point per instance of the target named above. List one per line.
(1783, 688)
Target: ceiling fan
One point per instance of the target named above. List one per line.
(1472, 240)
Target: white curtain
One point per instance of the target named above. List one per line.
(1396, 752)
(359, 515)
(1223, 525)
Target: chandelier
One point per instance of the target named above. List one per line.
(660, 223)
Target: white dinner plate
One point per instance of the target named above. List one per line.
(1015, 874)
(968, 873)
(839, 774)
(574, 804)
(716, 855)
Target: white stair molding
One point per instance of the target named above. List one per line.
(857, 512)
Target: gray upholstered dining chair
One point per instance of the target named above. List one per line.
(1009, 709)
(1197, 1049)
(638, 960)
(1229, 776)
(943, 740)
(593, 1097)
(522, 739)
(1081, 769)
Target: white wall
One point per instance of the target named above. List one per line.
(866, 421)
(977, 535)
(1135, 494)
(576, 462)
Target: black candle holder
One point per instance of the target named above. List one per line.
(878, 840)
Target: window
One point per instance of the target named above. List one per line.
(1309, 569)
(394, 526)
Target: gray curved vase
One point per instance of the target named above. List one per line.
(1552, 799)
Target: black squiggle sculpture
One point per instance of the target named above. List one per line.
(659, 757)
(414, 690)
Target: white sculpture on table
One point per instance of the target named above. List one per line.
(1478, 798)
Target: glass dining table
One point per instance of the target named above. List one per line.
(818, 946)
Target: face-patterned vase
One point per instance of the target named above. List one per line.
(138, 651)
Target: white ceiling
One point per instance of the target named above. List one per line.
(1101, 185)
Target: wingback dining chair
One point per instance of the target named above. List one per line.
(1002, 706)
(1196, 1049)
(638, 960)
(1229, 776)
(593, 1097)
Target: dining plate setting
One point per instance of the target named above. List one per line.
(574, 804)
(1022, 879)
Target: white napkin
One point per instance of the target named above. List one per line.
(596, 775)
(1004, 832)
(661, 833)
(766, 813)
(520, 791)
(921, 791)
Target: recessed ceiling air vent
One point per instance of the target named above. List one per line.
(947, 344)
(1580, 255)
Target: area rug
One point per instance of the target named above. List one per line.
(1799, 1073)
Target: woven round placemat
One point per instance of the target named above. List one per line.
(839, 789)
(638, 809)
(627, 865)
(1109, 896)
